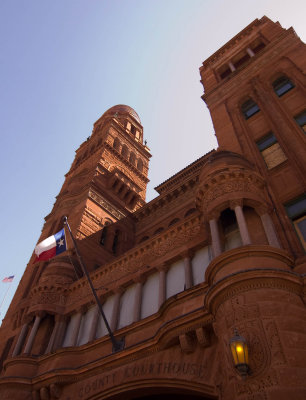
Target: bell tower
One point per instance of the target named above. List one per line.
(106, 182)
(108, 177)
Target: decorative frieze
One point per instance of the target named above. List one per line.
(105, 205)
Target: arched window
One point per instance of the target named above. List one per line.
(132, 158)
(190, 211)
(159, 230)
(143, 239)
(249, 108)
(116, 144)
(282, 85)
(174, 221)
(140, 164)
(125, 151)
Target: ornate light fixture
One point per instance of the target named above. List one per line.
(240, 354)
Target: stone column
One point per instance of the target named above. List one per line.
(116, 309)
(215, 237)
(269, 230)
(52, 337)
(137, 303)
(162, 285)
(250, 52)
(232, 67)
(94, 324)
(20, 340)
(62, 323)
(29, 344)
(244, 232)
(188, 271)
(72, 339)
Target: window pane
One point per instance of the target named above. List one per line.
(301, 120)
(300, 227)
(301, 224)
(266, 142)
(282, 86)
(249, 108)
(296, 208)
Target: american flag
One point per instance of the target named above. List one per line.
(8, 279)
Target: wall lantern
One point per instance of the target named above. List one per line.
(240, 355)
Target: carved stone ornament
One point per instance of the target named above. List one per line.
(105, 205)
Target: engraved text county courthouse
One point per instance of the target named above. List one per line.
(220, 250)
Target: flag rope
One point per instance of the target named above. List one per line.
(117, 345)
(5, 294)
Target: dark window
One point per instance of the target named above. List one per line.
(159, 230)
(257, 47)
(282, 85)
(224, 71)
(271, 151)
(190, 211)
(301, 120)
(6, 351)
(174, 221)
(296, 210)
(266, 142)
(249, 108)
(125, 151)
(143, 239)
(132, 158)
(103, 236)
(116, 144)
(241, 61)
(133, 129)
(115, 242)
(140, 165)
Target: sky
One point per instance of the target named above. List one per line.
(63, 63)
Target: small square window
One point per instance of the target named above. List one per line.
(249, 108)
(301, 120)
(282, 85)
(271, 151)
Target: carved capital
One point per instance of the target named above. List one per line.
(140, 278)
(236, 203)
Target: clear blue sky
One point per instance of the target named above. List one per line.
(64, 62)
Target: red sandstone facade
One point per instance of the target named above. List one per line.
(221, 248)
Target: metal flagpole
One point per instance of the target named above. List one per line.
(117, 345)
(4, 297)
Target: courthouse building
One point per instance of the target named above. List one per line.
(218, 258)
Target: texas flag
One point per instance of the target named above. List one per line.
(51, 247)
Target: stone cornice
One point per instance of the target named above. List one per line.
(233, 42)
(254, 254)
(177, 179)
(165, 199)
(252, 279)
(229, 86)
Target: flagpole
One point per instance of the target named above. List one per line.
(5, 295)
(117, 345)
